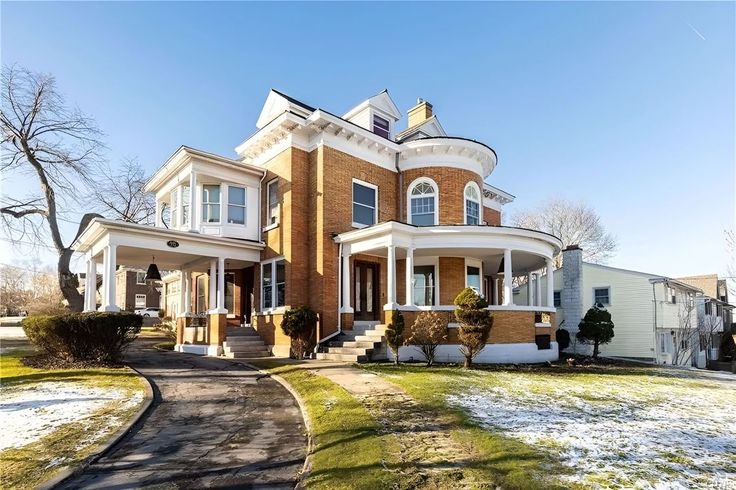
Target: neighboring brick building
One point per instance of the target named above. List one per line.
(134, 292)
(345, 214)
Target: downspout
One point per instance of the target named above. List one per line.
(401, 188)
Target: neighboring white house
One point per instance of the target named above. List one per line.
(655, 317)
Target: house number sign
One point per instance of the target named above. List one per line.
(172, 243)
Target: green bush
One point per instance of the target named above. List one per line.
(300, 324)
(91, 336)
(395, 333)
(562, 337)
(475, 323)
(596, 328)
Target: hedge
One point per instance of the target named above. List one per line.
(90, 336)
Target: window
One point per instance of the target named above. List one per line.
(185, 200)
(381, 126)
(140, 300)
(202, 294)
(230, 292)
(140, 277)
(175, 208)
(472, 278)
(472, 204)
(602, 296)
(236, 205)
(210, 203)
(708, 308)
(672, 295)
(365, 204)
(423, 204)
(557, 299)
(273, 293)
(272, 191)
(423, 285)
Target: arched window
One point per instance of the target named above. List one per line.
(472, 204)
(422, 202)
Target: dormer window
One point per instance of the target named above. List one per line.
(381, 126)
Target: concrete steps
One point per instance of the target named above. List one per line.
(244, 342)
(364, 343)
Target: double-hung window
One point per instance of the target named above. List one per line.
(273, 284)
(175, 208)
(423, 286)
(423, 204)
(381, 126)
(602, 296)
(272, 191)
(236, 205)
(210, 204)
(365, 204)
(472, 205)
(185, 200)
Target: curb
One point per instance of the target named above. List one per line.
(105, 447)
(306, 468)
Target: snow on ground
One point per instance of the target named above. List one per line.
(31, 412)
(616, 431)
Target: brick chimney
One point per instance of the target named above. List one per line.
(419, 113)
(571, 297)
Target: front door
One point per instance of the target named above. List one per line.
(366, 291)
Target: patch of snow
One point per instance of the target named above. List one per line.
(32, 412)
(621, 433)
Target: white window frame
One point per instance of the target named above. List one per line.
(434, 262)
(470, 262)
(271, 220)
(185, 205)
(271, 263)
(609, 295)
(174, 214)
(145, 300)
(138, 282)
(479, 202)
(244, 205)
(436, 188)
(211, 203)
(352, 202)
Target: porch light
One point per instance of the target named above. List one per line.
(152, 274)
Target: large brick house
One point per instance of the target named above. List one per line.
(348, 215)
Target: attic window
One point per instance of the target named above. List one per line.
(381, 126)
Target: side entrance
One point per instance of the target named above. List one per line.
(366, 299)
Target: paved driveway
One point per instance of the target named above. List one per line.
(214, 424)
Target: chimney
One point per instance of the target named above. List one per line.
(571, 296)
(419, 113)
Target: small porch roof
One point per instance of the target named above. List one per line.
(173, 249)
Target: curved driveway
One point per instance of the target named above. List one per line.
(214, 423)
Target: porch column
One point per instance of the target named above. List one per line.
(109, 260)
(409, 276)
(90, 285)
(529, 291)
(158, 220)
(221, 284)
(346, 306)
(495, 291)
(538, 284)
(213, 284)
(508, 285)
(550, 283)
(391, 278)
(192, 201)
(186, 288)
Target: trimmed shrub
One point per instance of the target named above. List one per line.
(91, 336)
(427, 333)
(475, 323)
(596, 328)
(562, 337)
(395, 333)
(300, 324)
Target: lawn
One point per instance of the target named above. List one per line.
(56, 418)
(603, 427)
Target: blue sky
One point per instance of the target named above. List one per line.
(628, 106)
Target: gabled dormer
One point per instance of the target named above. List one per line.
(377, 114)
(278, 103)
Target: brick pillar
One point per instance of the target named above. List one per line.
(180, 324)
(217, 331)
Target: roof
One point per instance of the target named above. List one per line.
(674, 282)
(295, 101)
(707, 282)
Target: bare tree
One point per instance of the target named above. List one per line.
(118, 194)
(685, 336)
(13, 290)
(60, 146)
(574, 224)
(709, 329)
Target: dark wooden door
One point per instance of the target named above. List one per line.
(366, 291)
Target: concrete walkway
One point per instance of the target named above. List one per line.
(215, 423)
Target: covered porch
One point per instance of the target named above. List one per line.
(202, 314)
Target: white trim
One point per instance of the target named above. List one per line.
(274, 296)
(436, 188)
(352, 202)
(609, 295)
(479, 202)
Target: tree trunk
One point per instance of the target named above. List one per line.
(68, 282)
(468, 362)
(396, 357)
(595, 349)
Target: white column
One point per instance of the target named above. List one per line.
(550, 283)
(179, 208)
(90, 285)
(192, 201)
(409, 276)
(346, 306)
(186, 289)
(529, 290)
(158, 220)
(538, 294)
(109, 258)
(213, 284)
(221, 285)
(391, 279)
(508, 287)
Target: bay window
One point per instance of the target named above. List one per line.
(273, 284)
(210, 204)
(236, 205)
